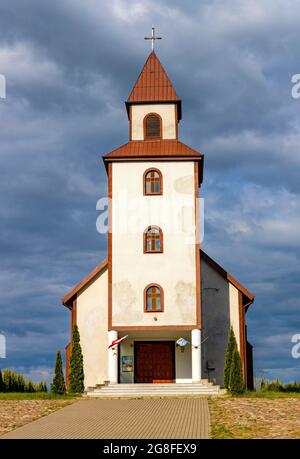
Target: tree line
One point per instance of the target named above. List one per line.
(11, 381)
(278, 386)
(15, 382)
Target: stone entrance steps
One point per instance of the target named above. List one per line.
(203, 388)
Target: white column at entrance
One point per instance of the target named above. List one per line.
(112, 358)
(196, 355)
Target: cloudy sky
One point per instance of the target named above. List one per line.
(69, 66)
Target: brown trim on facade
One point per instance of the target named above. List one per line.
(130, 123)
(161, 298)
(249, 357)
(68, 348)
(151, 158)
(176, 121)
(161, 240)
(154, 169)
(66, 299)
(159, 137)
(242, 337)
(109, 238)
(197, 249)
(73, 316)
(228, 276)
(68, 358)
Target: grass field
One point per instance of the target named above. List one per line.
(268, 394)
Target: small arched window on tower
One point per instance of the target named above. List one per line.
(153, 298)
(153, 182)
(153, 240)
(152, 126)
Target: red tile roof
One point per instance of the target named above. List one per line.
(153, 148)
(153, 84)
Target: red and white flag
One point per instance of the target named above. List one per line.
(116, 342)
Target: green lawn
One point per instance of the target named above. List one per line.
(268, 394)
(33, 396)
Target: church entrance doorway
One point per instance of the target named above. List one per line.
(154, 361)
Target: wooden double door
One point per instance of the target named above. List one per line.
(154, 361)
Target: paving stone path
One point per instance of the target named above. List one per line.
(123, 419)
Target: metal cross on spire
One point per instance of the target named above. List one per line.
(153, 38)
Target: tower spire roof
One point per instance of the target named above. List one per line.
(153, 85)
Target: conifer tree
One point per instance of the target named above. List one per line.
(8, 380)
(29, 386)
(20, 383)
(44, 385)
(1, 382)
(231, 346)
(58, 384)
(236, 382)
(41, 387)
(76, 377)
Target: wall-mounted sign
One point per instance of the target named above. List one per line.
(127, 363)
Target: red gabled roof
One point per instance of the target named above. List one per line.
(84, 281)
(227, 276)
(155, 148)
(153, 84)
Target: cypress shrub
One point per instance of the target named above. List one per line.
(76, 377)
(58, 384)
(231, 347)
(236, 382)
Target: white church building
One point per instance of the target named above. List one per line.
(157, 289)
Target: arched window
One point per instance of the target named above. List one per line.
(153, 182)
(153, 240)
(152, 126)
(153, 298)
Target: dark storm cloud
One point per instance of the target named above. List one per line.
(69, 67)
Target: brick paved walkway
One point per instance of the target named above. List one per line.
(128, 419)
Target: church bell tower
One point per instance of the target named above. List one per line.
(153, 241)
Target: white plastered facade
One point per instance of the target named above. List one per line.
(92, 307)
(220, 309)
(174, 269)
(167, 112)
